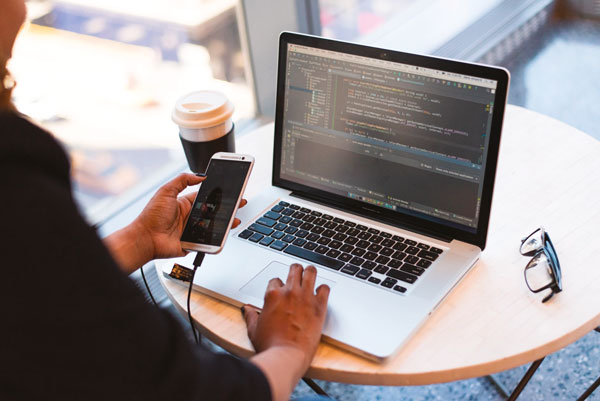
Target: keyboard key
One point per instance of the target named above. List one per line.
(346, 248)
(351, 240)
(309, 218)
(298, 215)
(370, 255)
(277, 235)
(285, 219)
(291, 230)
(428, 255)
(369, 265)
(364, 274)
(272, 215)
(398, 238)
(245, 234)
(385, 235)
(357, 261)
(358, 252)
(305, 210)
(412, 269)
(260, 229)
(412, 250)
(361, 227)
(330, 224)
(280, 226)
(299, 242)
(312, 237)
(310, 246)
(294, 207)
(307, 226)
(399, 255)
(315, 213)
(322, 249)
(302, 233)
(333, 253)
(277, 208)
(353, 232)
(342, 229)
(345, 257)
(323, 241)
(374, 280)
(399, 288)
(400, 275)
(328, 233)
(314, 257)
(362, 244)
(320, 221)
(287, 212)
(338, 220)
(327, 217)
(387, 252)
(288, 238)
(381, 269)
(374, 231)
(317, 229)
(424, 263)
(296, 223)
(389, 282)
(340, 237)
(400, 246)
(410, 242)
(435, 250)
(335, 244)
(266, 241)
(256, 237)
(382, 259)
(388, 243)
(351, 270)
(284, 204)
(376, 239)
(394, 264)
(364, 235)
(423, 246)
(411, 259)
(374, 248)
(350, 224)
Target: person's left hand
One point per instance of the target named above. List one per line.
(163, 218)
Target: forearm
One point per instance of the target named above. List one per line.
(130, 246)
(283, 367)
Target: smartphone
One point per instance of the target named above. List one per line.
(217, 201)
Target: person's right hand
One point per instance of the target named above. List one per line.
(292, 315)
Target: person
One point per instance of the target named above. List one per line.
(75, 327)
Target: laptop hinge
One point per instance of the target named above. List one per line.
(362, 213)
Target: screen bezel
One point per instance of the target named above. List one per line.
(212, 249)
(398, 219)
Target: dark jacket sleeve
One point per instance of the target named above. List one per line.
(74, 327)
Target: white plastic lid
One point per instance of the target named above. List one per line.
(202, 109)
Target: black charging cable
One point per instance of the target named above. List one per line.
(197, 262)
(148, 287)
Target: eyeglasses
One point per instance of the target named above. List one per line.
(543, 270)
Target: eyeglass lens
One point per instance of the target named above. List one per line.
(538, 272)
(533, 242)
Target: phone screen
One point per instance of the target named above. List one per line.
(216, 200)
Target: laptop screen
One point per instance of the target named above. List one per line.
(396, 136)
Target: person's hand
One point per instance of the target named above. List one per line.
(163, 218)
(292, 315)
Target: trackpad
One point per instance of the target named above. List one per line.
(257, 286)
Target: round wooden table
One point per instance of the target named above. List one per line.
(548, 174)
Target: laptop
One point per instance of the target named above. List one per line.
(383, 173)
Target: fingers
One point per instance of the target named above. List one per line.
(181, 182)
(308, 279)
(294, 278)
(243, 203)
(274, 283)
(323, 294)
(236, 222)
(250, 314)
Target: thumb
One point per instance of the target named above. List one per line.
(251, 316)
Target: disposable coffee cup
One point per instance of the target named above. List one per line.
(205, 127)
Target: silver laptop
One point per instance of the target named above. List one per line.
(383, 173)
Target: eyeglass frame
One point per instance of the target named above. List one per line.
(549, 251)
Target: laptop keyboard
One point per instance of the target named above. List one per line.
(378, 257)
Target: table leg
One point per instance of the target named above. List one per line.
(590, 390)
(517, 391)
(314, 386)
